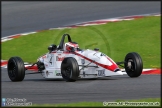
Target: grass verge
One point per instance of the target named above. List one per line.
(114, 39)
(156, 102)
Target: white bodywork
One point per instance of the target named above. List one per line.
(99, 64)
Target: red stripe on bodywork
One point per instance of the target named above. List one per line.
(112, 67)
(4, 63)
(33, 68)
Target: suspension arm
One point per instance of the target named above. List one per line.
(118, 63)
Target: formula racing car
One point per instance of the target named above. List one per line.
(69, 62)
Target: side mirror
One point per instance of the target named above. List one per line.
(96, 49)
(52, 47)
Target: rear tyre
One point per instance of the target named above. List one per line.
(70, 69)
(16, 69)
(133, 64)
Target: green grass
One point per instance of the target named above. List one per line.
(114, 39)
(97, 104)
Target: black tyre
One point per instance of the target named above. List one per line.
(133, 64)
(16, 69)
(70, 69)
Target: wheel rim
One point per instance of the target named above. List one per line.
(67, 72)
(12, 69)
(131, 65)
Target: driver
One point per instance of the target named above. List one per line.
(71, 46)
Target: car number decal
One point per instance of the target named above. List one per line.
(101, 72)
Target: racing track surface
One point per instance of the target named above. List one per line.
(21, 17)
(39, 90)
(30, 16)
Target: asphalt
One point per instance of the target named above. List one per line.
(20, 17)
(38, 90)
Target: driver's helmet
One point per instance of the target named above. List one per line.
(71, 46)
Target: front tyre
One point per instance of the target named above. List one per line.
(69, 69)
(133, 64)
(16, 69)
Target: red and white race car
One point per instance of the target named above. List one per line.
(69, 62)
